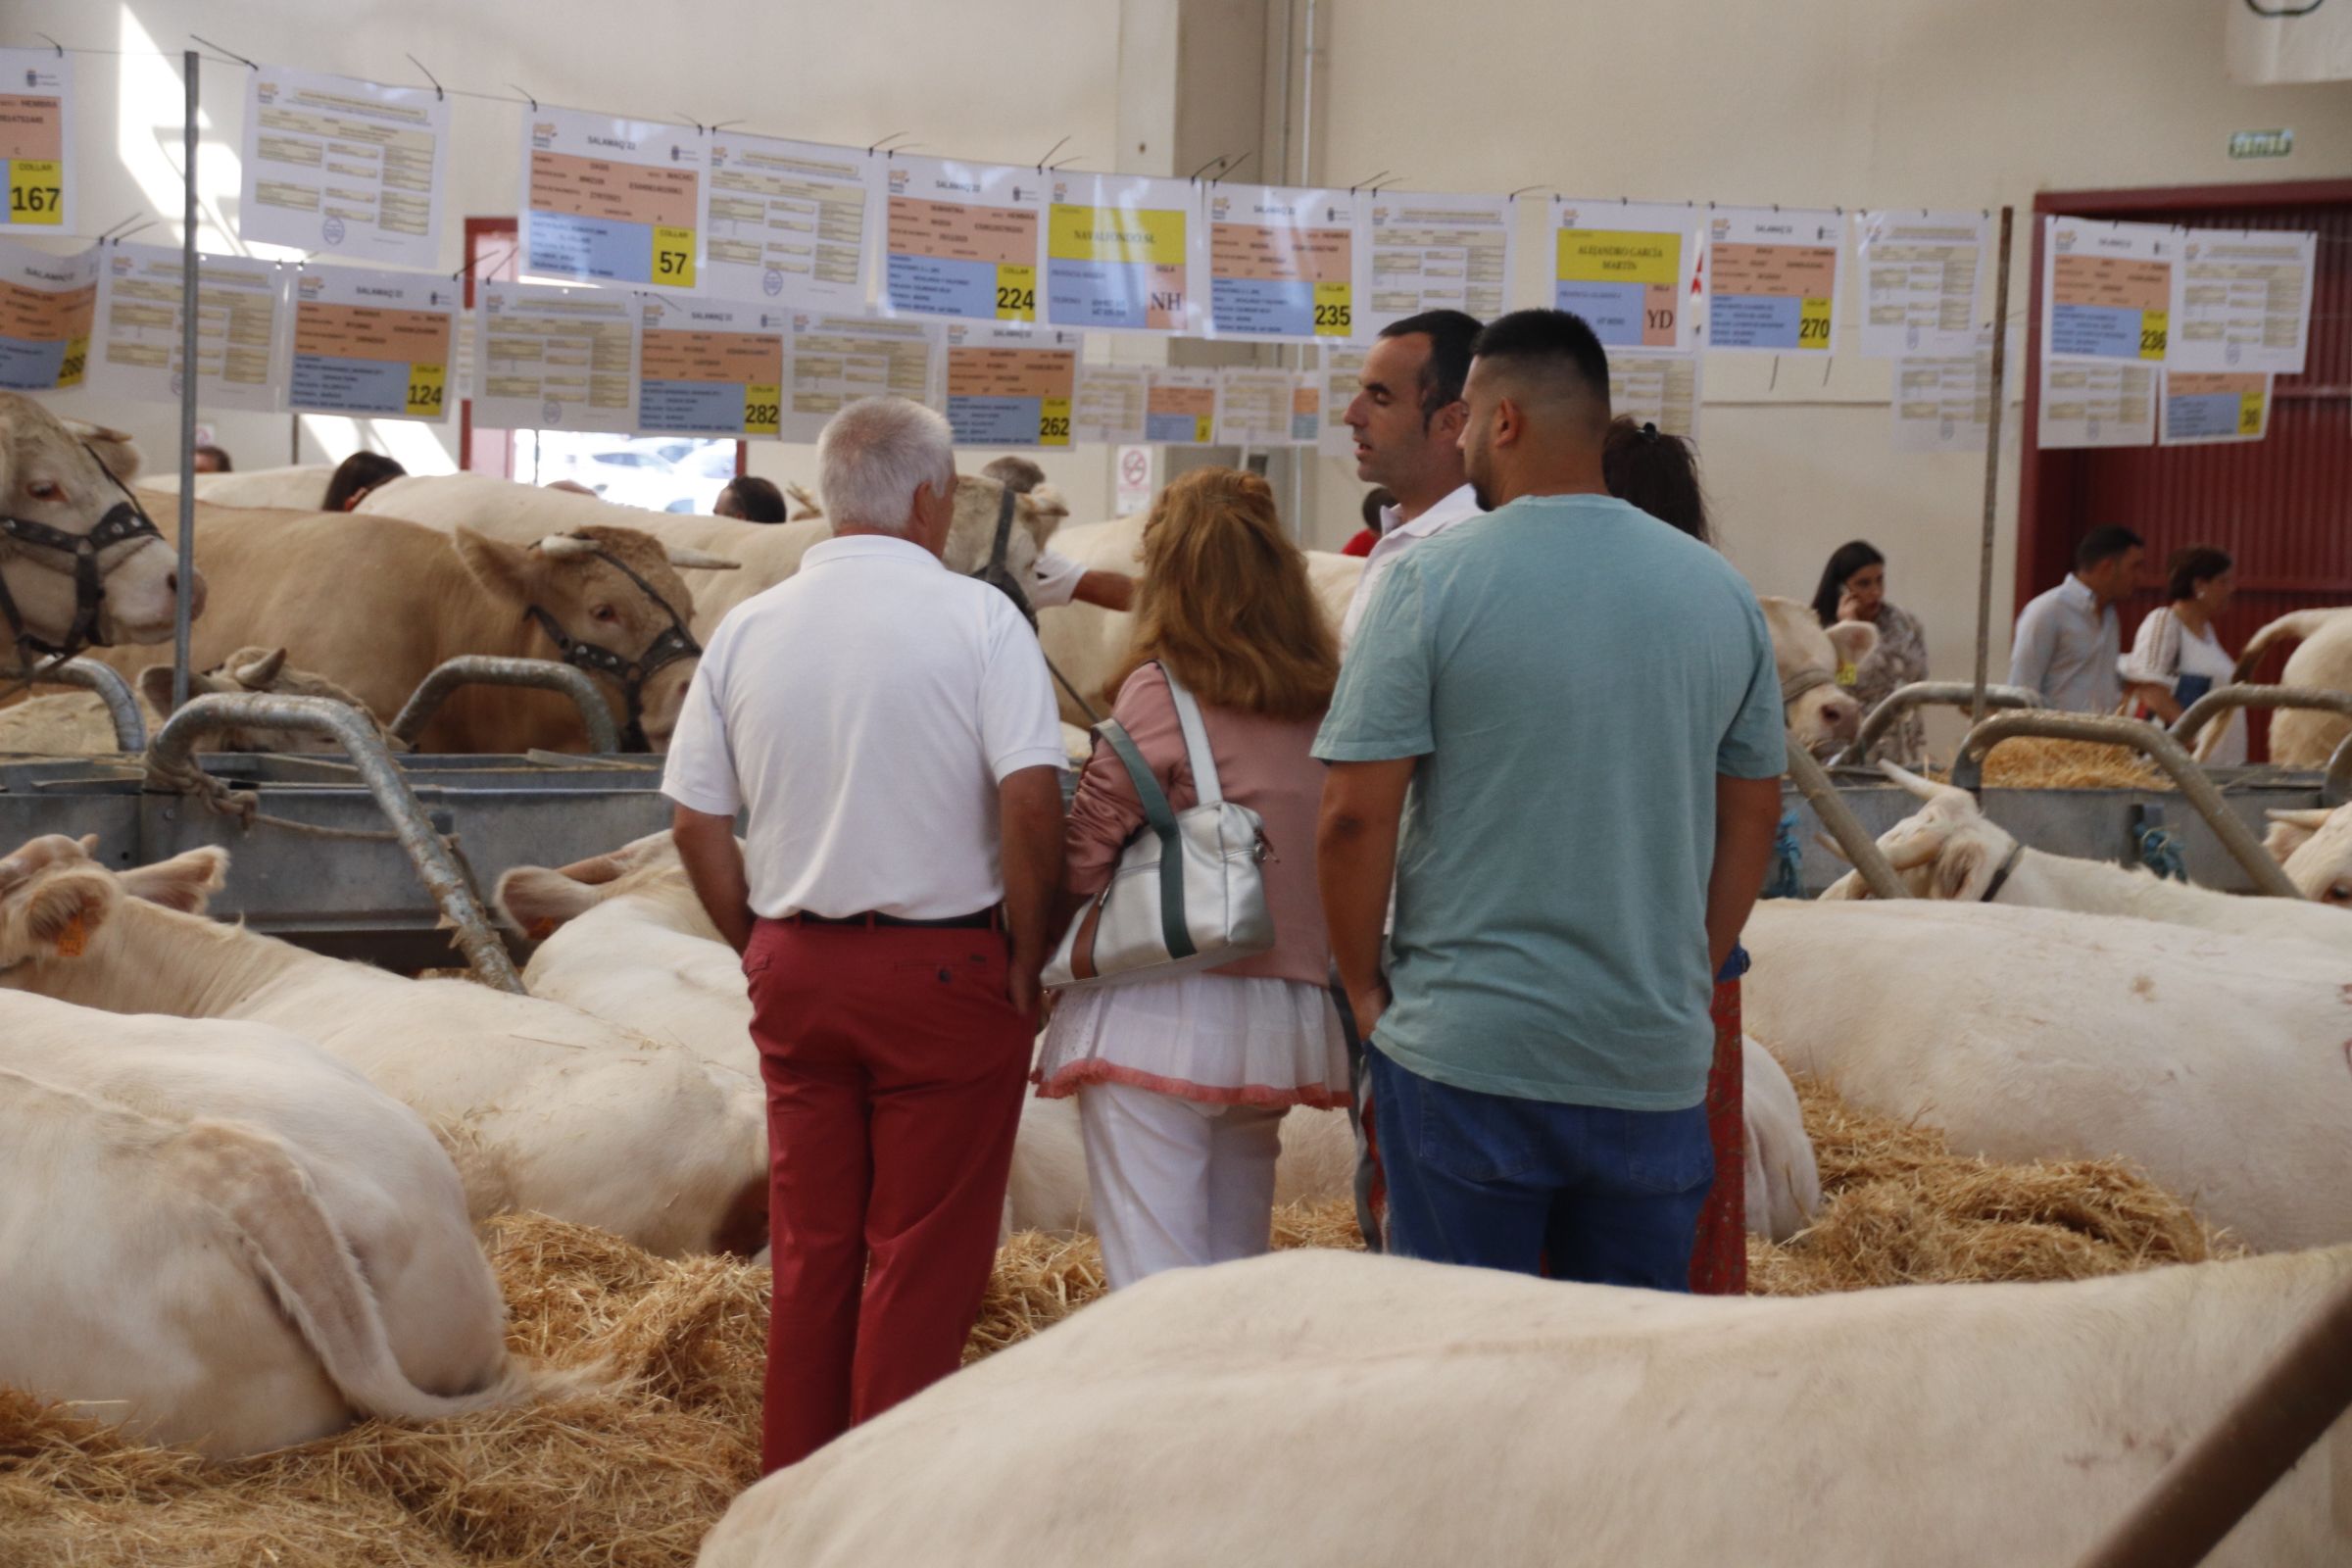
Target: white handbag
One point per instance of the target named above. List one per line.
(1188, 891)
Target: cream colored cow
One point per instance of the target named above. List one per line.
(77, 723)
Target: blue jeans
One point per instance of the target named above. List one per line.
(1568, 1192)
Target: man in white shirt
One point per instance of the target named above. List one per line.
(1406, 419)
(1056, 579)
(889, 728)
(2068, 639)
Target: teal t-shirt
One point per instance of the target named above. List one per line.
(1573, 674)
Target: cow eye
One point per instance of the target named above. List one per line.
(2342, 893)
(45, 490)
(604, 613)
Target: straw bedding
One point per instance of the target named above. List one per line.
(2031, 763)
(631, 1469)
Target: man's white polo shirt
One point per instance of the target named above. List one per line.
(1395, 538)
(866, 710)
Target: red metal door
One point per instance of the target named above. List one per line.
(2282, 506)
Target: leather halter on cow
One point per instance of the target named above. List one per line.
(1000, 577)
(124, 522)
(629, 674)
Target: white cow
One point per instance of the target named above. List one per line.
(543, 1107)
(2215, 1061)
(1821, 715)
(2302, 737)
(1949, 850)
(301, 487)
(50, 478)
(211, 1233)
(1325, 1407)
(77, 723)
(622, 936)
(2315, 849)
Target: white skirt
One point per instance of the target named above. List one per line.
(1226, 1038)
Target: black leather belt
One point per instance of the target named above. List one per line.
(982, 920)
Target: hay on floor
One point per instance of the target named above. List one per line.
(631, 1472)
(2031, 763)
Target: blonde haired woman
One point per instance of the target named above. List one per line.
(1182, 1083)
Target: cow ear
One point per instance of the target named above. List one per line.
(507, 571)
(1854, 641)
(62, 910)
(1962, 874)
(155, 686)
(539, 899)
(2290, 831)
(184, 882)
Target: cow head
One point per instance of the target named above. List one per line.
(540, 899)
(261, 669)
(608, 588)
(1822, 716)
(2315, 849)
(972, 534)
(49, 480)
(52, 897)
(1946, 850)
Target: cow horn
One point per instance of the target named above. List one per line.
(263, 672)
(567, 546)
(2308, 821)
(1914, 857)
(1926, 789)
(1836, 848)
(699, 560)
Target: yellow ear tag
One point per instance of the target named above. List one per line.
(1847, 674)
(75, 940)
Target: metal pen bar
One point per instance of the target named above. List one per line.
(170, 763)
(121, 704)
(183, 608)
(1968, 773)
(1924, 693)
(487, 669)
(1992, 465)
(2202, 712)
(1813, 782)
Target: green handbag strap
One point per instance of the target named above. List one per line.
(1160, 818)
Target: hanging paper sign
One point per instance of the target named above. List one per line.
(550, 358)
(47, 304)
(611, 201)
(1180, 410)
(346, 168)
(1255, 406)
(1343, 363)
(2107, 289)
(836, 359)
(371, 343)
(1944, 403)
(2201, 407)
(960, 239)
(240, 324)
(1307, 407)
(2089, 404)
(1630, 268)
(1280, 262)
(1419, 252)
(2241, 301)
(711, 367)
(1109, 410)
(1920, 272)
(1772, 285)
(788, 219)
(1659, 387)
(1118, 253)
(1010, 386)
(37, 141)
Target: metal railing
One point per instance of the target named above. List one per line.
(1922, 694)
(2159, 747)
(123, 709)
(1812, 781)
(172, 766)
(484, 669)
(2335, 787)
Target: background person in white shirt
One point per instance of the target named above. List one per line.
(1406, 417)
(1056, 579)
(2068, 640)
(2178, 655)
(888, 726)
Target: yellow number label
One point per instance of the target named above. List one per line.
(2154, 327)
(1053, 423)
(1335, 316)
(77, 357)
(2249, 413)
(1017, 292)
(425, 384)
(673, 256)
(35, 191)
(1202, 427)
(761, 403)
(1813, 323)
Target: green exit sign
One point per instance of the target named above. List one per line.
(2262, 143)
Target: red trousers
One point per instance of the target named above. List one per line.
(894, 1068)
(1719, 1259)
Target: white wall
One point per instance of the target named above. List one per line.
(1960, 103)
(948, 74)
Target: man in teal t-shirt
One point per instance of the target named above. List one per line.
(1567, 713)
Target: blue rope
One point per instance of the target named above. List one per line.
(1787, 878)
(2160, 851)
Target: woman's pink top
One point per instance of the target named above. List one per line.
(1263, 763)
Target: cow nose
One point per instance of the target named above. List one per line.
(195, 594)
(1840, 717)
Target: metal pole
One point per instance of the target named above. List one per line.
(2225, 1472)
(1308, 356)
(1993, 464)
(1861, 850)
(183, 605)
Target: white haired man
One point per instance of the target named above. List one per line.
(889, 727)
